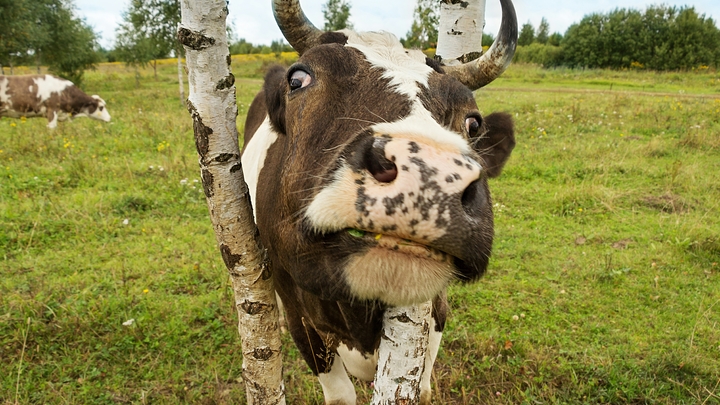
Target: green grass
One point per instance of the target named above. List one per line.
(604, 285)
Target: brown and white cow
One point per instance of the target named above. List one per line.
(367, 166)
(47, 96)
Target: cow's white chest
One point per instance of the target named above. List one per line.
(253, 159)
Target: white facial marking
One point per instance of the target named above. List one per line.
(383, 50)
(421, 127)
(253, 158)
(406, 70)
(357, 364)
(47, 85)
(336, 385)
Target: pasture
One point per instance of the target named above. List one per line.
(603, 288)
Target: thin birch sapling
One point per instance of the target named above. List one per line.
(213, 108)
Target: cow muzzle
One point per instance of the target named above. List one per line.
(427, 201)
(401, 187)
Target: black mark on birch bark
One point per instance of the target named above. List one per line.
(194, 40)
(254, 307)
(236, 168)
(463, 4)
(229, 257)
(207, 182)
(226, 82)
(224, 157)
(202, 133)
(262, 353)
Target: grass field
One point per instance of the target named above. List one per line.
(604, 287)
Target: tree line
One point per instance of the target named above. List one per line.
(50, 33)
(659, 38)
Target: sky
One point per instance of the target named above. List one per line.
(253, 19)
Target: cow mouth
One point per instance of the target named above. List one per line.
(400, 245)
(395, 270)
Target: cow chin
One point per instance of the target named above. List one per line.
(398, 272)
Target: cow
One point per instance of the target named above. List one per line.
(367, 168)
(48, 96)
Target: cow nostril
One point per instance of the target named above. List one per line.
(473, 198)
(379, 166)
(386, 176)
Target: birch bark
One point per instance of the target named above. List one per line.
(460, 31)
(213, 108)
(401, 356)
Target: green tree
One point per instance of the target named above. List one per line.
(527, 34)
(337, 15)
(688, 40)
(66, 44)
(148, 32)
(16, 31)
(543, 32)
(541, 54)
(242, 47)
(47, 32)
(423, 32)
(280, 46)
(487, 40)
(555, 39)
(661, 38)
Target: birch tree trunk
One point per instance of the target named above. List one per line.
(213, 108)
(403, 346)
(401, 355)
(460, 31)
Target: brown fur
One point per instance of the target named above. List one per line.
(318, 126)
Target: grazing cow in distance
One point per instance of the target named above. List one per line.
(367, 166)
(48, 96)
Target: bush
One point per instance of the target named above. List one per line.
(540, 54)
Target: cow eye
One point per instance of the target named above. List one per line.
(472, 125)
(299, 79)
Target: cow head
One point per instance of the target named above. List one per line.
(95, 109)
(369, 172)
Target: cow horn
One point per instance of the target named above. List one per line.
(491, 64)
(295, 26)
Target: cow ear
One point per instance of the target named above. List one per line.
(497, 143)
(274, 88)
